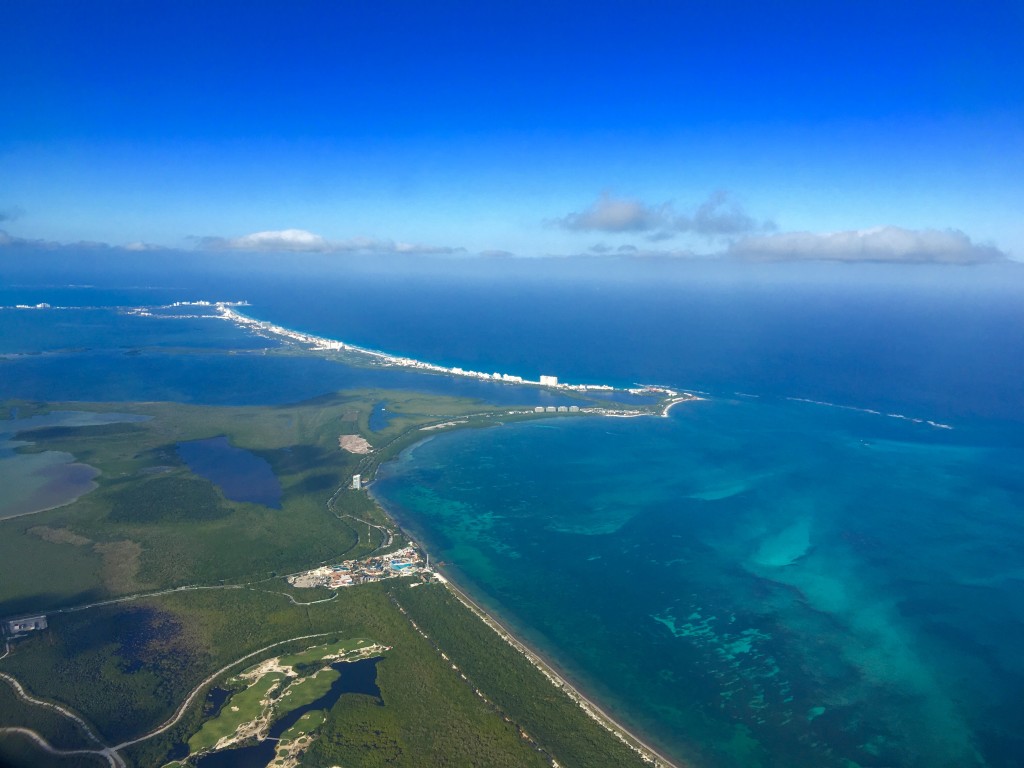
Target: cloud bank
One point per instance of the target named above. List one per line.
(302, 241)
(8, 240)
(889, 244)
(880, 244)
(718, 216)
(609, 214)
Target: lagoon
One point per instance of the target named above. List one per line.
(35, 482)
(240, 475)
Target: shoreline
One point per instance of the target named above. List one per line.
(537, 660)
(593, 710)
(228, 311)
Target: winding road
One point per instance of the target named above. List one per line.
(111, 753)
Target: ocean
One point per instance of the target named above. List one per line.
(752, 582)
(821, 563)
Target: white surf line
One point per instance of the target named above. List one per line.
(873, 412)
(676, 401)
(226, 311)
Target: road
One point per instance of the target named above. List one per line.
(111, 753)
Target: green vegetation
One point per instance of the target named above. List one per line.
(166, 499)
(512, 682)
(152, 525)
(60, 732)
(169, 527)
(17, 750)
(308, 723)
(271, 695)
(121, 666)
(243, 707)
(306, 690)
(319, 652)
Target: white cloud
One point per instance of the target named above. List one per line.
(8, 240)
(717, 216)
(285, 239)
(140, 246)
(279, 240)
(609, 214)
(302, 241)
(891, 244)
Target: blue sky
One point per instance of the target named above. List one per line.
(790, 130)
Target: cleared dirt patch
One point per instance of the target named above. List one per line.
(354, 444)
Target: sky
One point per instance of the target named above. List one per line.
(781, 131)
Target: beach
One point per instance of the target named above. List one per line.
(593, 710)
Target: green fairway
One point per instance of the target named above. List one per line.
(307, 723)
(243, 707)
(319, 652)
(305, 691)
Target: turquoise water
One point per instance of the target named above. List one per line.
(752, 583)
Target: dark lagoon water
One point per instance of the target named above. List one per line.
(356, 677)
(193, 360)
(380, 417)
(240, 474)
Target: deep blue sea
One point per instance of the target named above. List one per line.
(798, 570)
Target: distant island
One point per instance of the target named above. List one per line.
(228, 312)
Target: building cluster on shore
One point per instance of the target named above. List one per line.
(403, 562)
(225, 309)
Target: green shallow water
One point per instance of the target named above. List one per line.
(752, 583)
